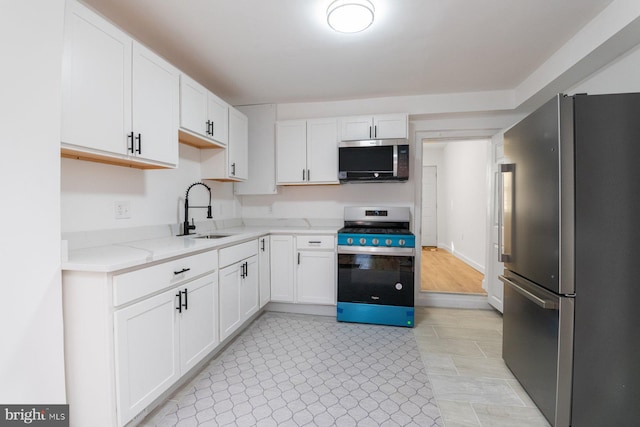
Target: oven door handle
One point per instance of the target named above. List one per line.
(376, 250)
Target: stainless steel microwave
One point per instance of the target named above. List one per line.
(373, 160)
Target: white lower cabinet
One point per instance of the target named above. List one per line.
(316, 277)
(159, 339)
(303, 269)
(238, 286)
(130, 335)
(316, 269)
(264, 270)
(282, 268)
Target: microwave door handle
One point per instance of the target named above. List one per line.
(505, 211)
(395, 160)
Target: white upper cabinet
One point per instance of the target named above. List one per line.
(261, 150)
(307, 152)
(204, 118)
(238, 161)
(119, 100)
(155, 106)
(231, 164)
(384, 126)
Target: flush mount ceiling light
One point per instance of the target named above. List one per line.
(350, 16)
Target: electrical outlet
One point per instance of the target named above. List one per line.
(122, 210)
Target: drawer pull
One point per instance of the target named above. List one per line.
(184, 270)
(314, 242)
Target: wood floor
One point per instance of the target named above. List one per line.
(443, 272)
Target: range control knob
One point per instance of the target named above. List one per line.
(401, 242)
(363, 240)
(388, 242)
(349, 241)
(375, 242)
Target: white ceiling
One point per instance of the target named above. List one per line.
(279, 51)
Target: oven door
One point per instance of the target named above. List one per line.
(376, 275)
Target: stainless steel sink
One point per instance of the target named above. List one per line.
(212, 236)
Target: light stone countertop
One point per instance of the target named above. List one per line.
(113, 257)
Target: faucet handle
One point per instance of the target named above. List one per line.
(192, 226)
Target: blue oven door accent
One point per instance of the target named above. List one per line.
(376, 314)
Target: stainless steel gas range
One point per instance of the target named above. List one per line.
(376, 260)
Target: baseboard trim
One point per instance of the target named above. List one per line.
(318, 310)
(449, 300)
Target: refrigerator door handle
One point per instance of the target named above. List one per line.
(541, 302)
(505, 211)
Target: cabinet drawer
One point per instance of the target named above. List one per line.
(316, 242)
(236, 253)
(136, 284)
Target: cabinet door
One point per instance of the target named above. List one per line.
(322, 151)
(238, 149)
(282, 268)
(147, 352)
(198, 320)
(249, 292)
(261, 151)
(230, 314)
(357, 128)
(218, 114)
(291, 152)
(316, 277)
(264, 267)
(388, 126)
(96, 101)
(193, 106)
(155, 107)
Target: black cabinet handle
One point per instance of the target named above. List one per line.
(298, 258)
(262, 248)
(186, 302)
(130, 138)
(139, 139)
(246, 269)
(208, 127)
(303, 174)
(375, 131)
(213, 129)
(179, 307)
(233, 169)
(369, 132)
(308, 174)
(184, 270)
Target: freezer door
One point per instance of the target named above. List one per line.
(538, 345)
(532, 190)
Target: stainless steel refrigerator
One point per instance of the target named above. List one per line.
(570, 241)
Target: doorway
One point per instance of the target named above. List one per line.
(453, 219)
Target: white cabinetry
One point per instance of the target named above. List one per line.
(204, 117)
(119, 99)
(307, 152)
(230, 164)
(384, 126)
(130, 335)
(316, 270)
(282, 268)
(303, 269)
(264, 268)
(238, 286)
(159, 339)
(262, 150)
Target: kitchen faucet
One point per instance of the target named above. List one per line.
(186, 226)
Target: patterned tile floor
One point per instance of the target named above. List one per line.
(295, 370)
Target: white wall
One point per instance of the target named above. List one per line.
(89, 191)
(620, 76)
(462, 183)
(31, 354)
